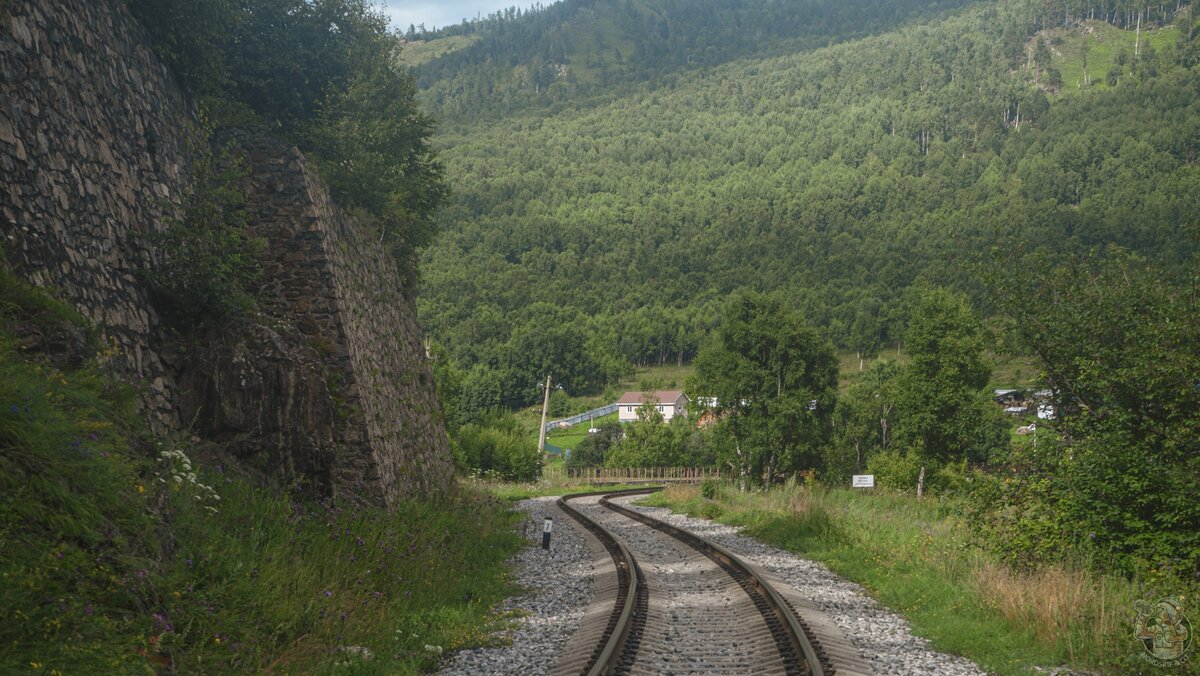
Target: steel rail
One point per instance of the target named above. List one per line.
(618, 646)
(792, 635)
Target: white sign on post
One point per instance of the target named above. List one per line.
(863, 481)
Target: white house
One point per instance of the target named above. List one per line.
(669, 403)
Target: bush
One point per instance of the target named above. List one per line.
(593, 450)
(322, 75)
(498, 448)
(896, 470)
(708, 489)
(203, 263)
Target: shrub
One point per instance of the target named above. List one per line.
(203, 262)
(498, 448)
(594, 448)
(896, 470)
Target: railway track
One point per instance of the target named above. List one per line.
(689, 606)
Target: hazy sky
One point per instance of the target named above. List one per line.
(444, 13)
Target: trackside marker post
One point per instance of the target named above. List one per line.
(547, 527)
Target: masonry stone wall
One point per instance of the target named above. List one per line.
(327, 385)
(91, 153)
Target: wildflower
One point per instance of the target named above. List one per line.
(327, 593)
(141, 488)
(88, 609)
(433, 649)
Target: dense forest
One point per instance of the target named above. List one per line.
(842, 176)
(952, 181)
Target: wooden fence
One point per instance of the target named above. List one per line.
(633, 474)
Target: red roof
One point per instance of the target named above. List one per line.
(664, 397)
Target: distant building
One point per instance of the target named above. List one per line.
(669, 403)
(1013, 401)
(1045, 404)
(1008, 397)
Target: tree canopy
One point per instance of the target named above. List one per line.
(773, 380)
(320, 74)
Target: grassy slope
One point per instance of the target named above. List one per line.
(1100, 42)
(417, 53)
(570, 437)
(111, 562)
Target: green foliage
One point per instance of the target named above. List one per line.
(71, 519)
(931, 411)
(322, 75)
(944, 412)
(895, 470)
(650, 442)
(574, 50)
(842, 176)
(774, 380)
(23, 303)
(204, 265)
(498, 447)
(864, 422)
(371, 143)
(115, 564)
(551, 340)
(708, 489)
(593, 450)
(1117, 344)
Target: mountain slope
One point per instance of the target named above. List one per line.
(574, 49)
(842, 176)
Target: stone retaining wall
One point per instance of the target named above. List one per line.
(327, 386)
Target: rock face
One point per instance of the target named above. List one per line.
(328, 385)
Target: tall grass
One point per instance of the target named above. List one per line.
(918, 557)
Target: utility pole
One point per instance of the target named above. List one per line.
(545, 407)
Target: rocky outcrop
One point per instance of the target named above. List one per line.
(327, 385)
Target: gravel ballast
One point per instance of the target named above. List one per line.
(560, 586)
(560, 589)
(882, 636)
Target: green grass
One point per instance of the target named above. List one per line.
(570, 437)
(118, 555)
(916, 557)
(417, 53)
(1101, 42)
(1013, 372)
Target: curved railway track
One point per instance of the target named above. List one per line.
(743, 623)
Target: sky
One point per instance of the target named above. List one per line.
(441, 13)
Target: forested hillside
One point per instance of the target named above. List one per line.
(556, 56)
(842, 176)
